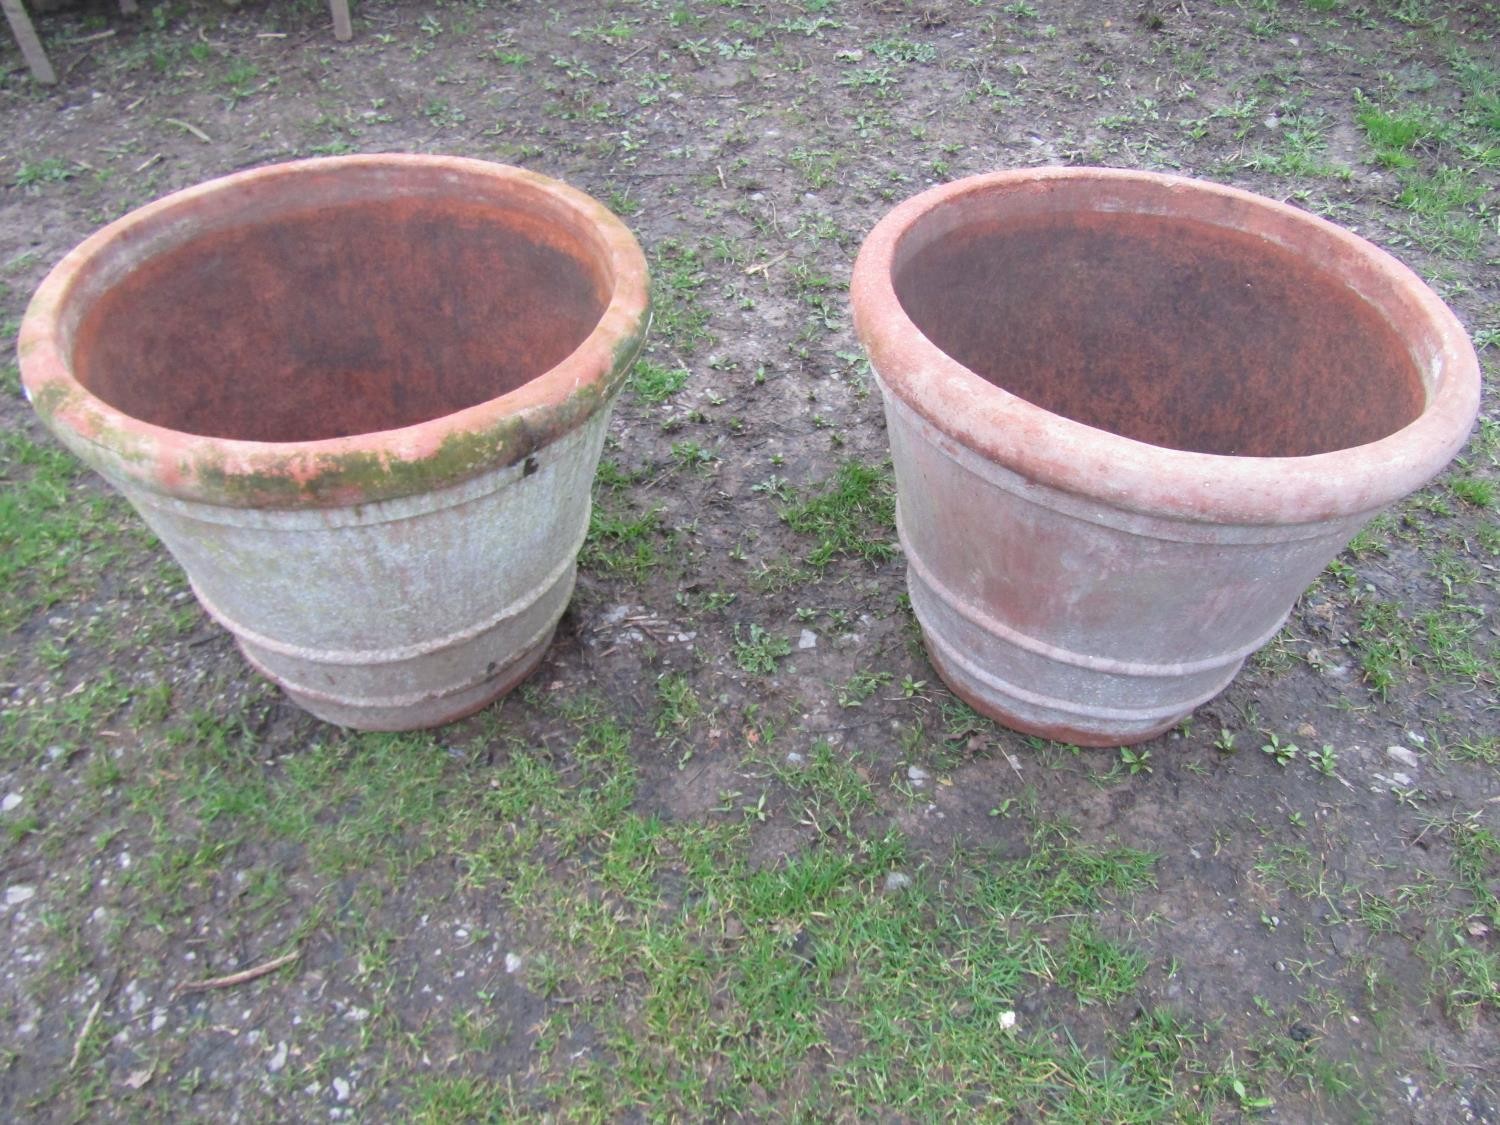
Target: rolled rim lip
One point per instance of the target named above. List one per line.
(1157, 480)
(162, 459)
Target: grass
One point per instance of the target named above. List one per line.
(1301, 152)
(57, 533)
(1395, 133)
(761, 965)
(850, 516)
(679, 320)
(33, 175)
(1449, 209)
(651, 382)
(751, 965)
(759, 651)
(621, 541)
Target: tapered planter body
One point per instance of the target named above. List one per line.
(361, 400)
(1132, 417)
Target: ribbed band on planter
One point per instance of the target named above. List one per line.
(439, 339)
(1132, 417)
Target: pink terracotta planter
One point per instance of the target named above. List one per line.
(361, 400)
(1133, 416)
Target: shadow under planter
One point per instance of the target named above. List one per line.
(361, 400)
(1133, 416)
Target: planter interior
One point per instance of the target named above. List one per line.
(1169, 331)
(324, 322)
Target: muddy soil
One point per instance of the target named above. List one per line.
(1327, 929)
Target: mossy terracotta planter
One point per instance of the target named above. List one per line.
(361, 400)
(1133, 416)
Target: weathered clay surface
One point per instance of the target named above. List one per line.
(361, 401)
(1132, 417)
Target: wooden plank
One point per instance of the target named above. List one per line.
(31, 46)
(342, 28)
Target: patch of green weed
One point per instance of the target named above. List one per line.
(851, 516)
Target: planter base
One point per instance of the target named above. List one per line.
(412, 712)
(1088, 706)
(449, 672)
(1053, 719)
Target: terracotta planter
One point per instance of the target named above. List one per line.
(1133, 417)
(361, 400)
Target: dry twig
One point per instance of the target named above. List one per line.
(242, 977)
(191, 128)
(758, 267)
(88, 1024)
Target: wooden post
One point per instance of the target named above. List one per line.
(31, 46)
(342, 29)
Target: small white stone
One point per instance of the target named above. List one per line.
(513, 963)
(357, 1015)
(1406, 757)
(1007, 1020)
(793, 758)
(158, 1019)
(125, 860)
(807, 639)
(15, 895)
(278, 1059)
(11, 802)
(1401, 779)
(896, 880)
(341, 1089)
(917, 775)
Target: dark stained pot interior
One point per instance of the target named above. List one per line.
(330, 321)
(1169, 331)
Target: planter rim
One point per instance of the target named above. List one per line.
(359, 468)
(1053, 450)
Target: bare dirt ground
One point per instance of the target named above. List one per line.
(734, 851)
